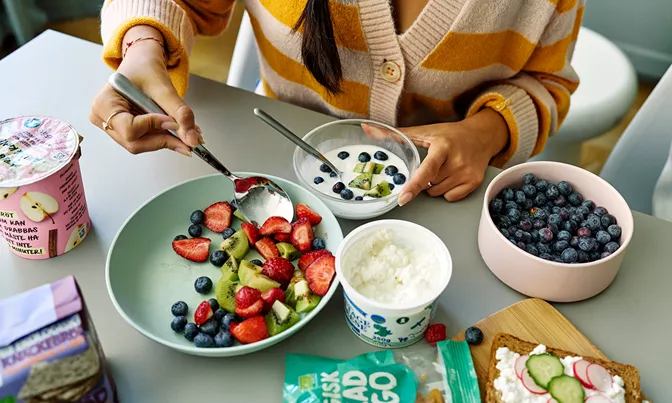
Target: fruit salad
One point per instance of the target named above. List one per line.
(368, 172)
(554, 222)
(253, 299)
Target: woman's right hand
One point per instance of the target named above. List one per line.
(144, 64)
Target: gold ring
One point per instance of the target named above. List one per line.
(106, 124)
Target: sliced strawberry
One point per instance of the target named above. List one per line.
(252, 310)
(303, 211)
(302, 235)
(218, 216)
(278, 269)
(266, 248)
(247, 296)
(251, 231)
(250, 331)
(283, 237)
(310, 257)
(320, 273)
(194, 249)
(272, 295)
(275, 225)
(203, 313)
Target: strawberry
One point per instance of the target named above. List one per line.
(194, 249)
(320, 273)
(247, 296)
(310, 257)
(275, 225)
(251, 231)
(282, 237)
(203, 313)
(218, 216)
(278, 269)
(272, 295)
(435, 332)
(252, 310)
(303, 211)
(250, 331)
(302, 235)
(267, 248)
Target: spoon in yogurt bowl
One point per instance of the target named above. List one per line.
(257, 197)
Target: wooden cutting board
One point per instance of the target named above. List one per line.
(534, 320)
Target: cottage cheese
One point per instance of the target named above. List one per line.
(512, 388)
(382, 269)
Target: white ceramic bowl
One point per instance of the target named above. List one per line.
(550, 280)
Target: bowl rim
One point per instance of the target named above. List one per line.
(306, 184)
(392, 223)
(216, 351)
(509, 171)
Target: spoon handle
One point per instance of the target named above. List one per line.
(138, 98)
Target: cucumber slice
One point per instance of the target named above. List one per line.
(566, 389)
(543, 368)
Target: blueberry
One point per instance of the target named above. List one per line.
(318, 243)
(543, 247)
(180, 308)
(227, 233)
(561, 201)
(575, 199)
(364, 157)
(552, 192)
(529, 190)
(333, 175)
(607, 220)
(359, 198)
(195, 230)
(546, 235)
(178, 323)
(347, 194)
(338, 187)
(391, 170)
(570, 226)
(343, 155)
(514, 215)
(564, 214)
(560, 246)
(604, 255)
(546, 256)
(203, 285)
(203, 340)
(583, 256)
(495, 206)
(228, 318)
(583, 211)
(540, 200)
(583, 224)
(234, 205)
(541, 214)
(218, 258)
(611, 247)
(593, 222)
(190, 331)
(587, 244)
(577, 218)
(564, 236)
(399, 179)
(518, 235)
(589, 204)
(554, 228)
(505, 232)
(325, 168)
(380, 156)
(603, 237)
(538, 224)
(571, 209)
(219, 314)
(318, 180)
(391, 185)
(520, 197)
(535, 236)
(256, 262)
(531, 249)
(223, 339)
(473, 335)
(569, 255)
(507, 194)
(554, 219)
(528, 205)
(529, 179)
(555, 210)
(594, 256)
(583, 231)
(541, 185)
(213, 304)
(512, 230)
(565, 188)
(197, 217)
(614, 230)
(179, 238)
(511, 205)
(600, 211)
(574, 242)
(521, 245)
(210, 327)
(504, 221)
(525, 224)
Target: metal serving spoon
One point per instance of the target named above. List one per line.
(295, 139)
(257, 198)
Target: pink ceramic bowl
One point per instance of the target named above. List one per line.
(536, 277)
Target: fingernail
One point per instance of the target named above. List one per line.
(184, 151)
(169, 126)
(201, 140)
(404, 198)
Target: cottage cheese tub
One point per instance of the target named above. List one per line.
(392, 274)
(43, 210)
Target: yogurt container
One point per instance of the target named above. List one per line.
(43, 211)
(392, 273)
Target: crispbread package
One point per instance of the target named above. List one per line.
(49, 351)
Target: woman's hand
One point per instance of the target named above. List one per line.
(144, 65)
(458, 155)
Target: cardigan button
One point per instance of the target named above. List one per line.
(390, 71)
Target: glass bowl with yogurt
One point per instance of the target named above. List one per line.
(374, 163)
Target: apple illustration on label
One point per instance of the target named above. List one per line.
(37, 206)
(6, 192)
(76, 237)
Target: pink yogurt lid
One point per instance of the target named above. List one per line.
(34, 147)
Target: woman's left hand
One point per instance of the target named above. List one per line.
(458, 155)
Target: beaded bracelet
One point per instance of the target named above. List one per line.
(144, 38)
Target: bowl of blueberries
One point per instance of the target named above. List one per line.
(554, 231)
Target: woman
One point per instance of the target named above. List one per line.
(475, 82)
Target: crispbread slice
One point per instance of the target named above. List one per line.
(630, 375)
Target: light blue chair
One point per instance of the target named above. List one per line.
(244, 71)
(24, 18)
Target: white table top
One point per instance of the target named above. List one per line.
(58, 75)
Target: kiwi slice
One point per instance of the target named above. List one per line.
(230, 269)
(239, 215)
(246, 270)
(380, 190)
(236, 245)
(378, 169)
(288, 251)
(225, 291)
(261, 282)
(362, 181)
(280, 318)
(305, 300)
(290, 297)
(359, 168)
(238, 287)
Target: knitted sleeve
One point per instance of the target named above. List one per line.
(536, 100)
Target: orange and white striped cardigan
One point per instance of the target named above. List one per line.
(457, 58)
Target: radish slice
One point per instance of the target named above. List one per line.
(598, 399)
(529, 384)
(519, 366)
(599, 377)
(580, 368)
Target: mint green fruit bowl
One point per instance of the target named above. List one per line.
(145, 276)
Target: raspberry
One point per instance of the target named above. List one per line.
(436, 333)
